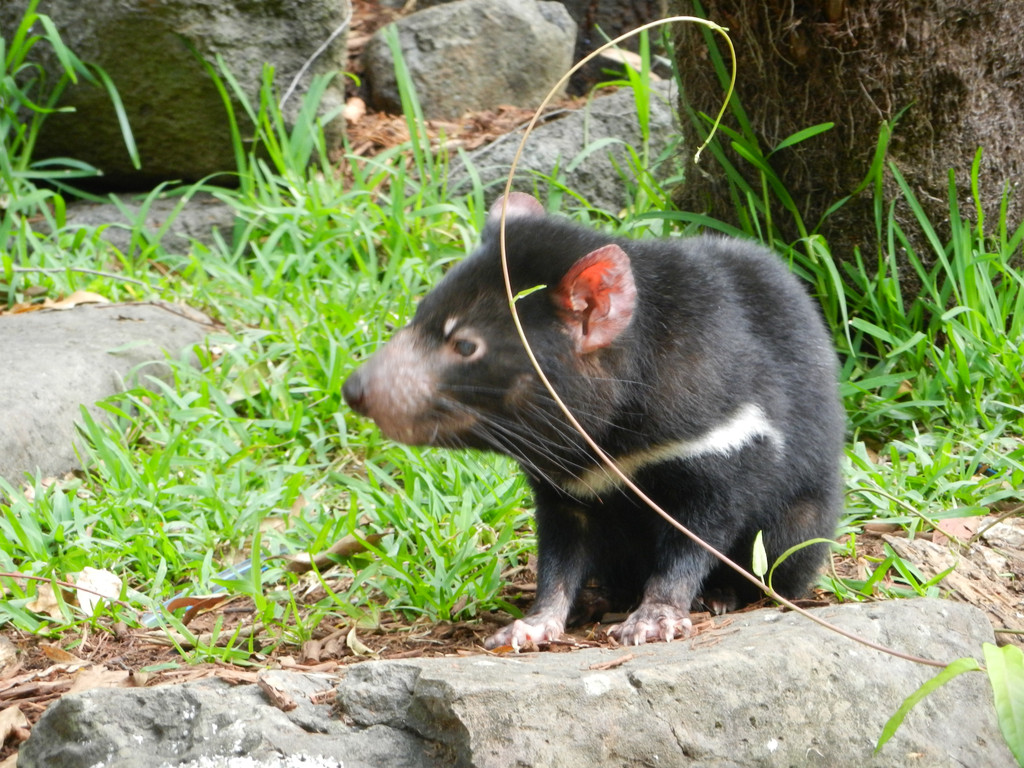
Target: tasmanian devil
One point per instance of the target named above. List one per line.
(701, 365)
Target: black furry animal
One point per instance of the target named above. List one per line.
(700, 365)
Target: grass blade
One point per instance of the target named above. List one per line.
(1006, 674)
(957, 668)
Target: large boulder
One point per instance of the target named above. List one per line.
(597, 21)
(176, 113)
(471, 55)
(55, 362)
(587, 149)
(175, 222)
(764, 689)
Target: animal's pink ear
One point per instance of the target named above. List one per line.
(519, 204)
(596, 298)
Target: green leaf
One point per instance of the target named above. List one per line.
(122, 117)
(874, 330)
(527, 291)
(803, 135)
(954, 669)
(760, 562)
(1006, 674)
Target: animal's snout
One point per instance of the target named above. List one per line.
(354, 391)
(397, 386)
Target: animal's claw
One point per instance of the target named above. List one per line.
(652, 621)
(529, 630)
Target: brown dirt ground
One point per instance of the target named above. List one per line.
(34, 672)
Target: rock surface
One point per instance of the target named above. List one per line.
(53, 362)
(473, 55)
(766, 689)
(587, 147)
(175, 111)
(173, 222)
(597, 21)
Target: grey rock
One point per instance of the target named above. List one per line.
(612, 17)
(175, 111)
(173, 222)
(474, 54)
(53, 362)
(569, 145)
(565, 145)
(596, 19)
(205, 723)
(289, 761)
(771, 689)
(766, 689)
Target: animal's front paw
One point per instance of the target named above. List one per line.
(529, 630)
(652, 621)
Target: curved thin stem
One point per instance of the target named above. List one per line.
(604, 457)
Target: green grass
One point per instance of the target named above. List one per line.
(252, 453)
(187, 477)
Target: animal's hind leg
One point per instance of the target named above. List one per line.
(805, 519)
(808, 517)
(725, 591)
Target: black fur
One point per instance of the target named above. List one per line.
(719, 326)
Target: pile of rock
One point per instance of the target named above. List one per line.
(462, 56)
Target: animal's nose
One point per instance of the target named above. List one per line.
(354, 392)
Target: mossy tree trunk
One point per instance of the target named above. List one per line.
(949, 73)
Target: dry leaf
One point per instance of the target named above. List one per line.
(100, 677)
(58, 654)
(8, 658)
(94, 585)
(45, 601)
(279, 697)
(357, 647)
(345, 547)
(327, 696)
(629, 58)
(331, 647)
(12, 719)
(311, 652)
(880, 528)
(197, 605)
(273, 523)
(958, 529)
(297, 506)
(75, 299)
(24, 306)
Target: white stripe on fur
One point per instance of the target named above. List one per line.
(748, 424)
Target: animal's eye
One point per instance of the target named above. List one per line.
(465, 347)
(462, 340)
